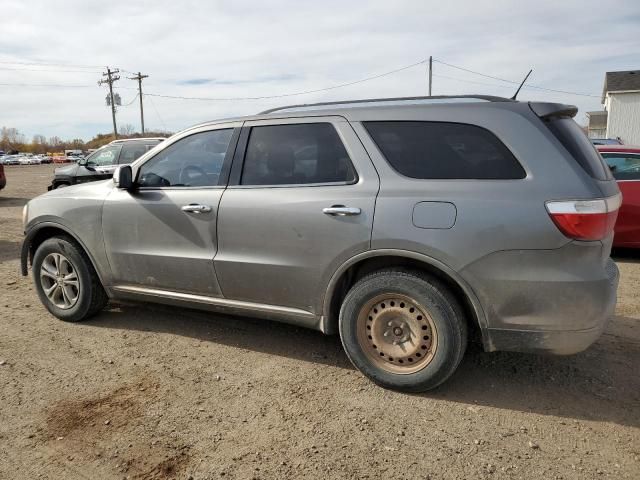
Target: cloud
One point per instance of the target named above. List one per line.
(248, 49)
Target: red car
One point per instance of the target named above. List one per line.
(624, 162)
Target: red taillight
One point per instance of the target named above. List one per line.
(585, 219)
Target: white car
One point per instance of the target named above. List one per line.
(28, 161)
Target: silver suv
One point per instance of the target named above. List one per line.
(410, 226)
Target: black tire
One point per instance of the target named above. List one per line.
(62, 185)
(91, 297)
(433, 298)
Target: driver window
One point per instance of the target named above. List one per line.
(104, 157)
(193, 161)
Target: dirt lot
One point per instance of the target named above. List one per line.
(150, 392)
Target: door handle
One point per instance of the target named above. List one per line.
(341, 211)
(196, 208)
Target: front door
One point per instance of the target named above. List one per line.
(300, 203)
(162, 235)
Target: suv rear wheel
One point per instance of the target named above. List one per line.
(65, 280)
(403, 330)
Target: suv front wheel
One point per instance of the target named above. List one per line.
(403, 330)
(65, 280)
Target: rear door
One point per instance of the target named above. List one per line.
(300, 203)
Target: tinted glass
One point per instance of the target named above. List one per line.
(579, 146)
(296, 154)
(623, 166)
(194, 161)
(438, 150)
(131, 151)
(104, 157)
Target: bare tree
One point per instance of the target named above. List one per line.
(11, 138)
(55, 142)
(127, 129)
(39, 144)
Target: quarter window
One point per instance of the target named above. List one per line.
(307, 153)
(623, 166)
(131, 151)
(438, 150)
(193, 161)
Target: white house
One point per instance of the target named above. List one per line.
(621, 100)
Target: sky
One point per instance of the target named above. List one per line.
(241, 49)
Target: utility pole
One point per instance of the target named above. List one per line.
(139, 78)
(430, 72)
(110, 77)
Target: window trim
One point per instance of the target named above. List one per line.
(226, 163)
(241, 151)
(417, 179)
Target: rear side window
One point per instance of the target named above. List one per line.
(579, 146)
(131, 151)
(296, 154)
(623, 166)
(439, 151)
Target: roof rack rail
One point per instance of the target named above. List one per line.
(488, 98)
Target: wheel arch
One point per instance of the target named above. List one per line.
(43, 231)
(59, 180)
(373, 260)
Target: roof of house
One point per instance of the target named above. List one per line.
(621, 81)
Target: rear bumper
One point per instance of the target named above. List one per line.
(555, 301)
(534, 341)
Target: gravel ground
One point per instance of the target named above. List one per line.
(151, 392)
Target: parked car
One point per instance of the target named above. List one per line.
(624, 162)
(46, 159)
(406, 225)
(29, 160)
(606, 141)
(101, 163)
(12, 160)
(3, 178)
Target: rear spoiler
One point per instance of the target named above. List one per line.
(549, 110)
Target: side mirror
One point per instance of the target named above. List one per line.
(123, 177)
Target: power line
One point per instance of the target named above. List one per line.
(49, 71)
(157, 113)
(472, 81)
(537, 87)
(45, 85)
(306, 92)
(58, 85)
(50, 64)
(128, 104)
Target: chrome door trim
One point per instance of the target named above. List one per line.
(215, 301)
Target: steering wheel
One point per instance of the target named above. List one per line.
(186, 178)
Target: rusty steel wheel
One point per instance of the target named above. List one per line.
(403, 329)
(397, 334)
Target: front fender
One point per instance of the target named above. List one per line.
(26, 252)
